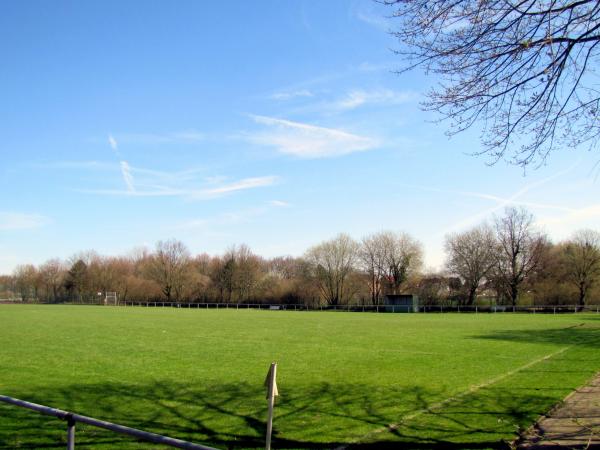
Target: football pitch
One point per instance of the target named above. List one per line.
(346, 380)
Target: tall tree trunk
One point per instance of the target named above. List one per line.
(471, 299)
(514, 293)
(582, 294)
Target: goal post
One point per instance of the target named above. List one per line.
(111, 298)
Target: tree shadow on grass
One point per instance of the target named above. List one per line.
(584, 334)
(307, 417)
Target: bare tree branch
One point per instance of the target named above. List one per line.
(523, 69)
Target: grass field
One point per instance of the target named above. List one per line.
(443, 381)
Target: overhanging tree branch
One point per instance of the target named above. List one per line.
(524, 69)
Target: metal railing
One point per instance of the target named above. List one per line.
(72, 419)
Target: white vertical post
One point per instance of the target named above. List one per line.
(271, 383)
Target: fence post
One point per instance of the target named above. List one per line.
(70, 433)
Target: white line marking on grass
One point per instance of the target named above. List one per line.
(458, 396)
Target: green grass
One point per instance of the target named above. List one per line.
(444, 381)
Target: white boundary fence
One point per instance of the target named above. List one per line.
(537, 309)
(532, 309)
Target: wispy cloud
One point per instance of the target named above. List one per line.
(187, 136)
(192, 224)
(356, 98)
(367, 66)
(514, 199)
(149, 190)
(309, 141)
(230, 218)
(359, 97)
(370, 18)
(220, 220)
(288, 95)
(73, 165)
(279, 203)
(124, 165)
(144, 182)
(113, 144)
(21, 221)
(127, 177)
(246, 183)
(501, 201)
(174, 177)
(574, 217)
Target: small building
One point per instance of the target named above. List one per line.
(401, 303)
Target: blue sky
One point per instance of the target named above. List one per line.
(272, 123)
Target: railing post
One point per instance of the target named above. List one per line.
(70, 433)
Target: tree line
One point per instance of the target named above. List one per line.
(509, 261)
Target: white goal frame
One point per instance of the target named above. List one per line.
(111, 299)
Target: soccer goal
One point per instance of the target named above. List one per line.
(111, 298)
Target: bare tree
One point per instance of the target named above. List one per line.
(223, 275)
(52, 274)
(373, 256)
(471, 256)
(247, 272)
(582, 261)
(284, 267)
(332, 263)
(169, 266)
(525, 69)
(27, 281)
(520, 248)
(403, 257)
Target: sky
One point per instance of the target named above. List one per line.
(277, 124)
